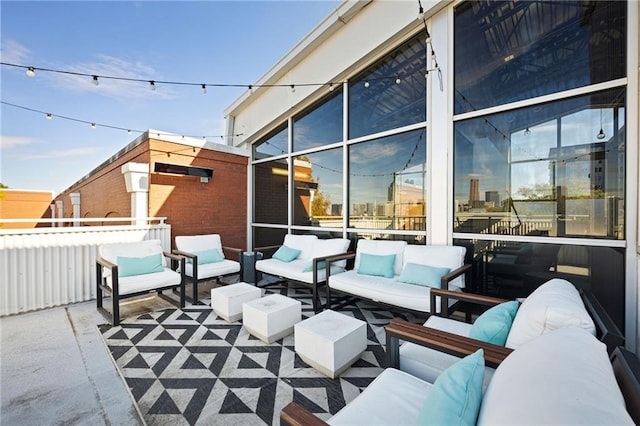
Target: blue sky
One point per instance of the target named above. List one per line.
(227, 42)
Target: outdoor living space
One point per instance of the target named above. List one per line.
(66, 363)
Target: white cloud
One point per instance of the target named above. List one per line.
(73, 152)
(13, 52)
(114, 88)
(8, 142)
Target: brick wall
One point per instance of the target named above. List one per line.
(191, 207)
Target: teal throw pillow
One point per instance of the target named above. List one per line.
(456, 394)
(130, 266)
(378, 265)
(209, 256)
(493, 325)
(309, 266)
(286, 254)
(425, 275)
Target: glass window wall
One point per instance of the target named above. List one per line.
(507, 51)
(555, 169)
(321, 125)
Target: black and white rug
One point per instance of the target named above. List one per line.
(190, 367)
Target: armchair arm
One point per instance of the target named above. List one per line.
(184, 253)
(104, 262)
(463, 297)
(295, 414)
(266, 248)
(454, 274)
(439, 340)
(236, 250)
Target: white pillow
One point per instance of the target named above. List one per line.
(331, 246)
(563, 377)
(555, 304)
(304, 243)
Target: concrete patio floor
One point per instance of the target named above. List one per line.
(55, 369)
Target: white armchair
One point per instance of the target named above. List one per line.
(205, 259)
(131, 269)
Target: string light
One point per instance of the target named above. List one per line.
(398, 80)
(527, 131)
(293, 88)
(94, 125)
(204, 89)
(366, 84)
(95, 80)
(30, 70)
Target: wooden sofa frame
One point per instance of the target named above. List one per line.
(625, 364)
(101, 286)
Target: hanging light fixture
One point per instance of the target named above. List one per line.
(93, 125)
(601, 134)
(31, 72)
(152, 85)
(204, 89)
(95, 80)
(398, 80)
(366, 84)
(49, 116)
(527, 131)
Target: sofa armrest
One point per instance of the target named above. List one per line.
(296, 415)
(626, 368)
(439, 340)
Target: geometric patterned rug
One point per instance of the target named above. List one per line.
(188, 366)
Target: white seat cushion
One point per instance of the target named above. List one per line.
(427, 364)
(555, 304)
(136, 283)
(214, 269)
(378, 405)
(293, 270)
(562, 377)
(385, 290)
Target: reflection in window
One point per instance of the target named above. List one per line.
(544, 170)
(319, 126)
(391, 93)
(387, 182)
(505, 51)
(272, 145)
(317, 199)
(270, 192)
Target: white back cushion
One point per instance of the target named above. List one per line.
(563, 377)
(381, 248)
(330, 247)
(304, 243)
(555, 304)
(196, 243)
(143, 248)
(441, 256)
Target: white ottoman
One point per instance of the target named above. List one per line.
(227, 301)
(330, 342)
(272, 317)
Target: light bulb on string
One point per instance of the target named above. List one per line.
(49, 116)
(601, 134)
(204, 89)
(398, 80)
(95, 80)
(152, 85)
(293, 88)
(527, 131)
(366, 84)
(331, 87)
(93, 125)
(128, 132)
(31, 72)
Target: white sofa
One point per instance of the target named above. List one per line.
(306, 268)
(391, 291)
(142, 276)
(562, 377)
(555, 304)
(190, 246)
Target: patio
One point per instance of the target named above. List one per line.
(57, 368)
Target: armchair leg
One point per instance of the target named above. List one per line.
(116, 309)
(195, 292)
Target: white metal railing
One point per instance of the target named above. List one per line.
(52, 266)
